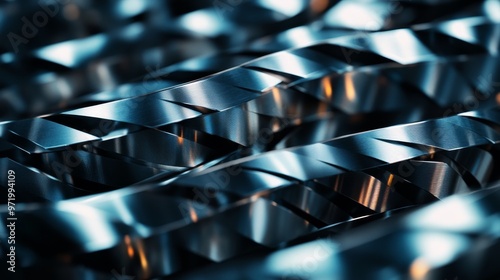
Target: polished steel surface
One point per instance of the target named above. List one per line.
(261, 139)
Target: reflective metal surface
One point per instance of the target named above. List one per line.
(252, 139)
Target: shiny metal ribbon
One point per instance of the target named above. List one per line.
(278, 156)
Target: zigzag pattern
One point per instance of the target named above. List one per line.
(329, 134)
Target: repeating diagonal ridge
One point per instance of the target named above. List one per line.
(285, 135)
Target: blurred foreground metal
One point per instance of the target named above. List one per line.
(252, 139)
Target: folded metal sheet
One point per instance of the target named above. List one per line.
(253, 139)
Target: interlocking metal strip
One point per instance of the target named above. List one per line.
(340, 130)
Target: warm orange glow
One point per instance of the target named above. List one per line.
(390, 179)
(180, 139)
(432, 152)
(193, 215)
(373, 193)
(498, 98)
(319, 5)
(130, 248)
(364, 196)
(327, 87)
(142, 257)
(277, 99)
(349, 87)
(276, 96)
(419, 269)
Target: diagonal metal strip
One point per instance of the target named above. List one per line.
(270, 153)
